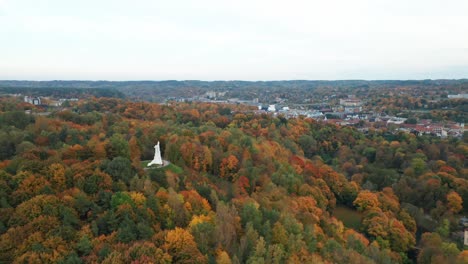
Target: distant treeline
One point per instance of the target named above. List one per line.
(267, 91)
(62, 92)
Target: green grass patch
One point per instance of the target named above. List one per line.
(171, 167)
(144, 163)
(174, 168)
(350, 218)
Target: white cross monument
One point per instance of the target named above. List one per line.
(157, 156)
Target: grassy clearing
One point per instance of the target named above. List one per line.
(171, 167)
(350, 218)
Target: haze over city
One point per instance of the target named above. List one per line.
(243, 40)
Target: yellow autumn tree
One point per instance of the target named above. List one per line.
(180, 244)
(366, 200)
(454, 202)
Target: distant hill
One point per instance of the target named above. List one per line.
(160, 90)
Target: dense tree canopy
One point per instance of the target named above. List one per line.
(241, 188)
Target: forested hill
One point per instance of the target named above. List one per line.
(160, 90)
(57, 89)
(242, 188)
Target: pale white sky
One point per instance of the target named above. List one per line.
(226, 40)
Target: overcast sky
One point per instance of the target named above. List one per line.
(226, 40)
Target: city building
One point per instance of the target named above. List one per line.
(351, 105)
(33, 100)
(457, 96)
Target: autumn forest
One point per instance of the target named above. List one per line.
(241, 187)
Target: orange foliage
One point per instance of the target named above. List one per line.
(454, 202)
(180, 244)
(356, 235)
(366, 200)
(228, 166)
(198, 204)
(29, 187)
(56, 176)
(243, 183)
(462, 257)
(306, 209)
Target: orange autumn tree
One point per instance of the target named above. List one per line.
(366, 200)
(454, 202)
(180, 244)
(197, 204)
(306, 210)
(380, 221)
(56, 176)
(228, 166)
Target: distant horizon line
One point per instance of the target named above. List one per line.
(226, 80)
